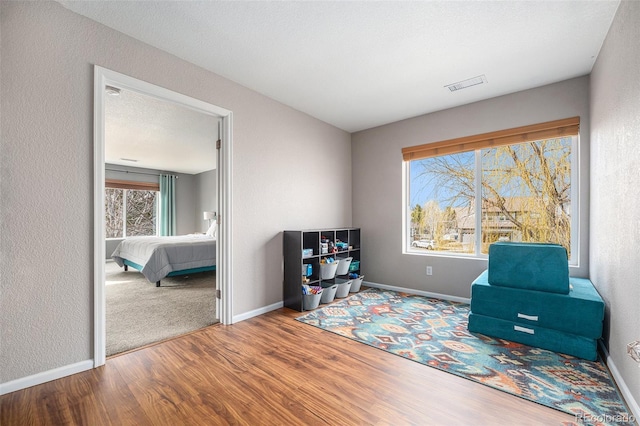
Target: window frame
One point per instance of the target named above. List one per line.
(549, 130)
(125, 185)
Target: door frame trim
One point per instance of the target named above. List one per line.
(224, 270)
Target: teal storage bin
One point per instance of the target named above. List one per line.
(355, 266)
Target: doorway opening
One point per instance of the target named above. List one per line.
(107, 83)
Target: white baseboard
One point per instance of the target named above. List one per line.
(45, 376)
(256, 312)
(57, 373)
(624, 389)
(418, 292)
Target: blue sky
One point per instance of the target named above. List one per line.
(425, 187)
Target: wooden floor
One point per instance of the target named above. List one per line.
(269, 370)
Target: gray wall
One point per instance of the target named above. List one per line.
(377, 181)
(206, 189)
(185, 204)
(188, 198)
(46, 96)
(615, 179)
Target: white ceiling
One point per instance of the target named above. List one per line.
(361, 64)
(158, 134)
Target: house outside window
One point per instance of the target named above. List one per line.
(525, 192)
(131, 209)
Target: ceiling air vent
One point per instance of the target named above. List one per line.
(467, 83)
(112, 91)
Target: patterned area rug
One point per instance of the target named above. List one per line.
(434, 332)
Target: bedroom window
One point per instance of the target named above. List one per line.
(523, 183)
(131, 209)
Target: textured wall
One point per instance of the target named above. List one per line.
(289, 171)
(377, 181)
(615, 179)
(186, 199)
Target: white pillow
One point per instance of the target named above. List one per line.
(213, 229)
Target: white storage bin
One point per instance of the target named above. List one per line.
(356, 283)
(328, 270)
(328, 294)
(311, 301)
(343, 288)
(343, 267)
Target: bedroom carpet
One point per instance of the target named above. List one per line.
(139, 313)
(434, 332)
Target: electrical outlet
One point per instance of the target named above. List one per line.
(633, 349)
(429, 270)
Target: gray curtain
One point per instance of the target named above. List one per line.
(167, 205)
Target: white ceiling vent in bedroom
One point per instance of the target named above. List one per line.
(112, 91)
(481, 79)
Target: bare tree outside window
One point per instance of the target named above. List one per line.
(446, 187)
(141, 212)
(113, 203)
(140, 206)
(417, 220)
(525, 191)
(528, 186)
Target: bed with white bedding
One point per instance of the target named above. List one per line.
(160, 257)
